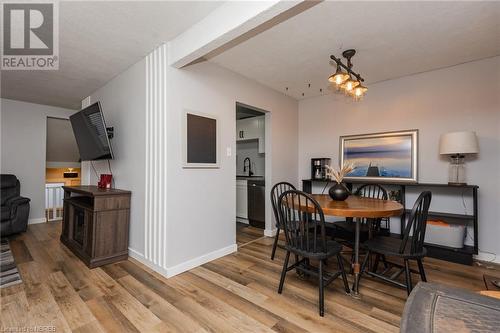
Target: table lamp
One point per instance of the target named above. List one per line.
(457, 145)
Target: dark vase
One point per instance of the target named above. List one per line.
(338, 192)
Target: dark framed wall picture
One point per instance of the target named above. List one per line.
(200, 140)
(388, 156)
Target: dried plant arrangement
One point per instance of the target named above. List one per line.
(338, 175)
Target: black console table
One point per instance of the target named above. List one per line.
(463, 255)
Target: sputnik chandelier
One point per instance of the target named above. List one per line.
(345, 79)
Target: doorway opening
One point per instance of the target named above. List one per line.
(62, 165)
(250, 173)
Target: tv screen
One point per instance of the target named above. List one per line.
(91, 134)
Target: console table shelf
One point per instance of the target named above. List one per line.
(96, 224)
(448, 215)
(462, 255)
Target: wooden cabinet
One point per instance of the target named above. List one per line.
(247, 129)
(262, 138)
(241, 199)
(252, 129)
(96, 224)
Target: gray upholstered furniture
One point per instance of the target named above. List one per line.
(437, 308)
(15, 209)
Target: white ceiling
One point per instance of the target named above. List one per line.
(99, 40)
(393, 39)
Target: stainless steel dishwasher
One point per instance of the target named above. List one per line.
(256, 191)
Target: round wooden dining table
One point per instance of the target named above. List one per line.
(356, 208)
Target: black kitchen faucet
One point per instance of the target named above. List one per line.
(250, 172)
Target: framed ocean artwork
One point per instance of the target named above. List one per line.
(382, 157)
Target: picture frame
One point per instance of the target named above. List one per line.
(200, 140)
(390, 157)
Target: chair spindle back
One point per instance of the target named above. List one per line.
(416, 225)
(303, 222)
(277, 190)
(373, 191)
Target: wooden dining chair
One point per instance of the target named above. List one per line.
(410, 247)
(306, 238)
(277, 190)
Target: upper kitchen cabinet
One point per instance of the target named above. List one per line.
(247, 129)
(252, 129)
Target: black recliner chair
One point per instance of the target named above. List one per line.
(15, 209)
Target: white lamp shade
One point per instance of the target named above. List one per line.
(458, 143)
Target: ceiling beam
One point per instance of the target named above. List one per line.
(228, 25)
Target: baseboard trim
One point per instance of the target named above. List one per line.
(38, 220)
(192, 263)
(487, 257)
(185, 266)
(140, 258)
(136, 254)
(270, 232)
(242, 220)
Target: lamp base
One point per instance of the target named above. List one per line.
(456, 171)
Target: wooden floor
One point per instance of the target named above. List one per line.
(236, 293)
(246, 234)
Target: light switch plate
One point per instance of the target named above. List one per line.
(228, 152)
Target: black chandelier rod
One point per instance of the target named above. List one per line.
(347, 68)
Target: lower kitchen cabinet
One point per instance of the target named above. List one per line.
(241, 199)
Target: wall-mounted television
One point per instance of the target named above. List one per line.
(91, 134)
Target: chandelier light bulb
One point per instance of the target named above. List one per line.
(339, 77)
(359, 92)
(349, 85)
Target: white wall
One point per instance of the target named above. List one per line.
(123, 105)
(464, 97)
(250, 149)
(202, 202)
(23, 148)
(61, 141)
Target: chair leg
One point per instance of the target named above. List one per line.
(408, 276)
(283, 272)
(375, 263)
(275, 244)
(351, 266)
(370, 261)
(344, 275)
(421, 270)
(321, 291)
(365, 262)
(363, 266)
(300, 273)
(384, 261)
